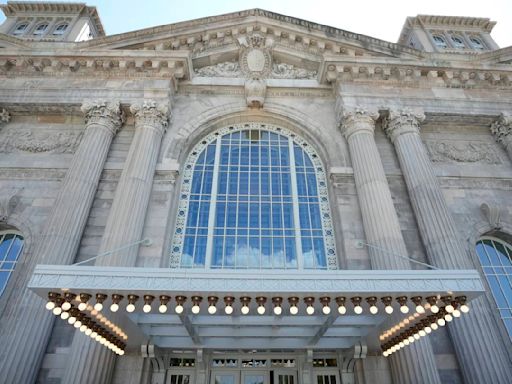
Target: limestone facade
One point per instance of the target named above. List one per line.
(94, 136)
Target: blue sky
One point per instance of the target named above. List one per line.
(381, 19)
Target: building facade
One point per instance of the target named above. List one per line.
(253, 198)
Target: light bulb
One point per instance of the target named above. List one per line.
(434, 309)
(310, 310)
(64, 315)
(404, 309)
(326, 310)
(420, 309)
(195, 309)
(464, 308)
(358, 309)
(66, 306)
(82, 306)
(428, 329)
(441, 322)
(456, 313)
(261, 310)
(244, 310)
(50, 305)
(294, 310)
(97, 338)
(179, 309)
(98, 307)
(401, 344)
(374, 310)
(57, 311)
(448, 317)
(406, 342)
(411, 339)
(93, 335)
(130, 308)
(121, 352)
(212, 309)
(163, 308)
(422, 333)
(229, 309)
(388, 309)
(449, 308)
(146, 308)
(397, 347)
(114, 307)
(434, 326)
(416, 336)
(88, 331)
(83, 328)
(278, 310)
(342, 309)
(385, 354)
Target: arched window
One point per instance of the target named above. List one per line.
(60, 29)
(439, 41)
(458, 42)
(496, 260)
(41, 29)
(11, 245)
(253, 196)
(477, 43)
(20, 29)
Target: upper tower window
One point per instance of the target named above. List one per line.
(439, 41)
(11, 245)
(477, 43)
(20, 29)
(253, 196)
(458, 42)
(41, 29)
(60, 29)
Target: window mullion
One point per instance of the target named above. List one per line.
(295, 203)
(213, 206)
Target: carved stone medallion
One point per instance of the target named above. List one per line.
(255, 56)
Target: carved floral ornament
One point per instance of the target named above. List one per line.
(502, 128)
(151, 113)
(8, 201)
(401, 121)
(356, 120)
(34, 141)
(106, 113)
(5, 116)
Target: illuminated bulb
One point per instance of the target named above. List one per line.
(66, 306)
(385, 353)
(310, 310)
(163, 308)
(411, 339)
(64, 315)
(441, 322)
(57, 311)
(97, 338)
(114, 307)
(397, 347)
(434, 326)
(456, 313)
(406, 342)
(422, 333)
(278, 310)
(146, 308)
(72, 321)
(98, 307)
(50, 305)
(401, 344)
(464, 308)
(428, 329)
(130, 308)
(245, 310)
(388, 309)
(448, 317)
(434, 309)
(342, 309)
(82, 306)
(229, 309)
(404, 309)
(88, 331)
(212, 309)
(83, 328)
(261, 310)
(195, 309)
(449, 308)
(420, 309)
(121, 352)
(93, 335)
(374, 309)
(179, 309)
(358, 309)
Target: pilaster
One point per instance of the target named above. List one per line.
(415, 364)
(27, 324)
(480, 351)
(502, 130)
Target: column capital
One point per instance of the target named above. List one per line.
(357, 120)
(402, 121)
(5, 116)
(151, 113)
(502, 128)
(106, 113)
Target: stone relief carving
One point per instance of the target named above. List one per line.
(5, 116)
(446, 152)
(32, 141)
(227, 69)
(233, 69)
(8, 201)
(492, 213)
(288, 71)
(151, 113)
(502, 127)
(255, 90)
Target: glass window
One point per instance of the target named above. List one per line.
(253, 196)
(439, 41)
(20, 29)
(41, 29)
(458, 42)
(60, 29)
(496, 260)
(11, 245)
(477, 43)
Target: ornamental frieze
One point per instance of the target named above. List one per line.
(233, 69)
(451, 152)
(31, 141)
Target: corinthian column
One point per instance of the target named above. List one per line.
(502, 130)
(416, 363)
(89, 361)
(480, 351)
(26, 325)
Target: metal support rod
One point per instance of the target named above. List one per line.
(361, 243)
(145, 242)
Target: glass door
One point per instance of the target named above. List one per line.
(326, 378)
(225, 377)
(255, 377)
(179, 378)
(282, 377)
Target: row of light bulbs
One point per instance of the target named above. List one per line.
(62, 307)
(423, 327)
(245, 301)
(432, 305)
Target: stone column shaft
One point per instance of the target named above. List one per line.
(28, 324)
(416, 363)
(89, 361)
(480, 351)
(502, 130)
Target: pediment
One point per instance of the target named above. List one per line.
(7, 42)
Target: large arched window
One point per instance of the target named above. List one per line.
(496, 259)
(11, 245)
(253, 196)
